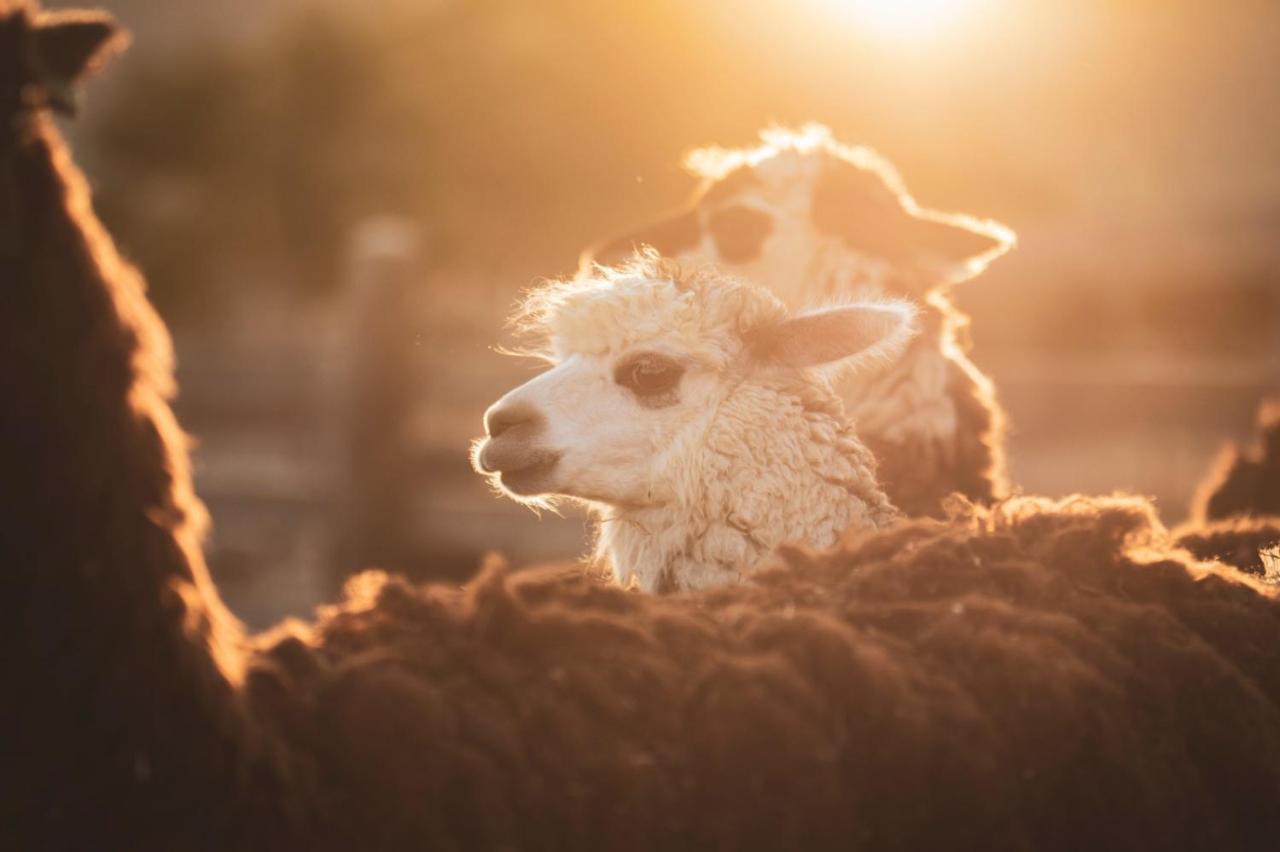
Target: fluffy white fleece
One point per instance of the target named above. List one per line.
(763, 455)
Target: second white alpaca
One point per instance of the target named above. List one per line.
(817, 221)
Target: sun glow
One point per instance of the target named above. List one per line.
(902, 18)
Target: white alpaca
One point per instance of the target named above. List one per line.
(691, 414)
(815, 221)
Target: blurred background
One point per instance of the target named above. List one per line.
(336, 203)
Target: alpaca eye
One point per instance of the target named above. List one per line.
(649, 375)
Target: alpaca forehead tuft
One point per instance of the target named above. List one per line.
(647, 302)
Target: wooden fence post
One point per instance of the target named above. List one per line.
(375, 395)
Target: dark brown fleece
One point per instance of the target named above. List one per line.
(1043, 676)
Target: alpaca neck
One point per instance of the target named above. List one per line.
(797, 474)
(125, 657)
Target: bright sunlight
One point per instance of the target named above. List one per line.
(902, 18)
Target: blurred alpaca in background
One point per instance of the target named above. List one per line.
(1245, 480)
(814, 221)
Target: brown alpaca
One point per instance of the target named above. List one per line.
(105, 591)
(1245, 481)
(816, 221)
(1236, 510)
(1037, 675)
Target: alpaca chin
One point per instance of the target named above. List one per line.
(533, 480)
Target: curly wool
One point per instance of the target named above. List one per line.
(707, 313)
(1038, 675)
(771, 469)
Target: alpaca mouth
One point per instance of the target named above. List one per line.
(531, 479)
(520, 470)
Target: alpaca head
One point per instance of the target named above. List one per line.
(647, 362)
(810, 219)
(44, 54)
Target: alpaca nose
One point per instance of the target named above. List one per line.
(504, 418)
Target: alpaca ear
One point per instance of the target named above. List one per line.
(835, 335)
(71, 45)
(869, 211)
(953, 243)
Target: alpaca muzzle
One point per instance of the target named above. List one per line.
(522, 468)
(512, 450)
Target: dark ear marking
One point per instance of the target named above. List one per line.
(740, 232)
(669, 236)
(953, 242)
(730, 186)
(857, 206)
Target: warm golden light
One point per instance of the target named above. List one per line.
(902, 18)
